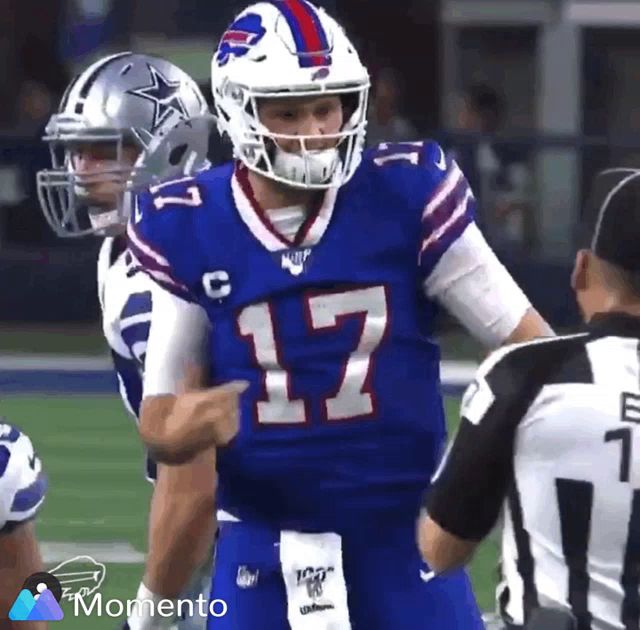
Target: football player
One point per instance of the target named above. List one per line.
(23, 485)
(320, 268)
(121, 122)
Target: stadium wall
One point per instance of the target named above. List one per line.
(93, 375)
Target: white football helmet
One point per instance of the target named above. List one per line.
(289, 48)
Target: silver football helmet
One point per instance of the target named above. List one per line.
(124, 123)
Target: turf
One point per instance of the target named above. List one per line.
(98, 494)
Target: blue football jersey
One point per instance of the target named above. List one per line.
(343, 423)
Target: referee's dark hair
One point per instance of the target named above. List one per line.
(610, 233)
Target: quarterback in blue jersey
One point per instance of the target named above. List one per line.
(113, 116)
(320, 268)
(23, 485)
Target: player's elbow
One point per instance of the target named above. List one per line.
(441, 550)
(154, 412)
(531, 326)
(428, 545)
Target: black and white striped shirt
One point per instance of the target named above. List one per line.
(550, 437)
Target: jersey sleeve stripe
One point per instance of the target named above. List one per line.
(29, 498)
(447, 208)
(138, 303)
(132, 320)
(129, 381)
(138, 244)
(164, 281)
(464, 208)
(5, 455)
(444, 190)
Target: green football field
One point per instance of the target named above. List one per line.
(98, 494)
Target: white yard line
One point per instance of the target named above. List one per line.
(54, 362)
(116, 552)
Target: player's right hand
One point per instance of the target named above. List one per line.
(214, 411)
(175, 428)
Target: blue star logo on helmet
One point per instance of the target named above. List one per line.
(240, 37)
(164, 96)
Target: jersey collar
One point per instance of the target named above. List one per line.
(615, 323)
(256, 219)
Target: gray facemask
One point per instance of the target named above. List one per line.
(145, 115)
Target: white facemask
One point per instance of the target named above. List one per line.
(308, 167)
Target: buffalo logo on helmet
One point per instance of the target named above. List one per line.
(240, 37)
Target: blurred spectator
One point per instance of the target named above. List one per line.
(35, 104)
(497, 172)
(88, 26)
(386, 124)
(21, 220)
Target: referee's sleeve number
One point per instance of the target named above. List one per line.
(630, 414)
(624, 435)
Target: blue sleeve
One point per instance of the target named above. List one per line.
(130, 382)
(135, 324)
(152, 238)
(450, 207)
(430, 183)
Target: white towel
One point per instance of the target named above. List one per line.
(314, 579)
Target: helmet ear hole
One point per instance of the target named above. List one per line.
(349, 105)
(177, 153)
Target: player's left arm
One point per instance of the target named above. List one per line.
(19, 558)
(463, 273)
(182, 526)
(464, 501)
(476, 288)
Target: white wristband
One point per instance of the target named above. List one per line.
(150, 611)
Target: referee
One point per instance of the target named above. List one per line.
(550, 439)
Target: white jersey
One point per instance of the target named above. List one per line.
(130, 303)
(125, 300)
(550, 433)
(23, 483)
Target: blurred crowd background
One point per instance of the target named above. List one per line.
(531, 96)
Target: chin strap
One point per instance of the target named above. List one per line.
(306, 168)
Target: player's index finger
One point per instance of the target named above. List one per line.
(232, 387)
